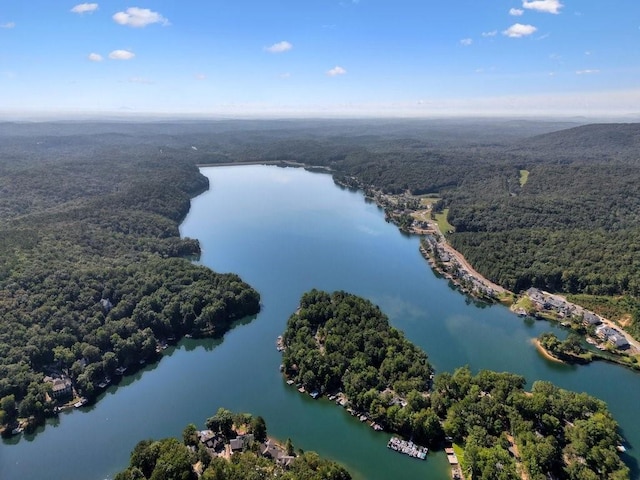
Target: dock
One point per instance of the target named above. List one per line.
(407, 447)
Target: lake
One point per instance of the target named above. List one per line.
(285, 231)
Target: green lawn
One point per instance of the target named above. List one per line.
(459, 451)
(427, 201)
(441, 219)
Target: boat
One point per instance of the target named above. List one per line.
(17, 431)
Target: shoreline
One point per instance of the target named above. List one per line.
(286, 163)
(456, 268)
(545, 353)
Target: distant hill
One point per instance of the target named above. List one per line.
(608, 139)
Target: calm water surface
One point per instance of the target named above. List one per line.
(286, 231)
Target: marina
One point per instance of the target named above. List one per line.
(407, 447)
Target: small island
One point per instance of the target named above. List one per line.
(342, 346)
(231, 447)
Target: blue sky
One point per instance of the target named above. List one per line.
(321, 57)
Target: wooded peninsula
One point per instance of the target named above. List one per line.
(340, 344)
(232, 447)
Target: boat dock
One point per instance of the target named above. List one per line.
(407, 447)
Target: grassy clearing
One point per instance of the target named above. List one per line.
(441, 219)
(506, 298)
(526, 304)
(428, 201)
(524, 176)
(459, 451)
(421, 216)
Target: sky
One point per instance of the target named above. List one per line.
(244, 58)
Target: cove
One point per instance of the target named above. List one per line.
(285, 231)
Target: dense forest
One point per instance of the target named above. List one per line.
(190, 459)
(342, 342)
(572, 225)
(93, 272)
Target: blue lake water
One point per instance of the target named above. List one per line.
(285, 231)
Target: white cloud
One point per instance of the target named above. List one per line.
(335, 71)
(587, 72)
(95, 57)
(85, 8)
(492, 33)
(516, 12)
(139, 17)
(466, 42)
(518, 30)
(279, 47)
(8, 25)
(285, 75)
(201, 76)
(547, 6)
(121, 55)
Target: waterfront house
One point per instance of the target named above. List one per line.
(61, 387)
(273, 451)
(241, 442)
(613, 336)
(618, 341)
(212, 440)
(591, 319)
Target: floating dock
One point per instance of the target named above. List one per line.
(408, 448)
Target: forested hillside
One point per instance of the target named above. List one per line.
(90, 211)
(92, 269)
(558, 211)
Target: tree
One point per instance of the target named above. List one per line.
(190, 435)
(221, 422)
(288, 446)
(259, 428)
(8, 406)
